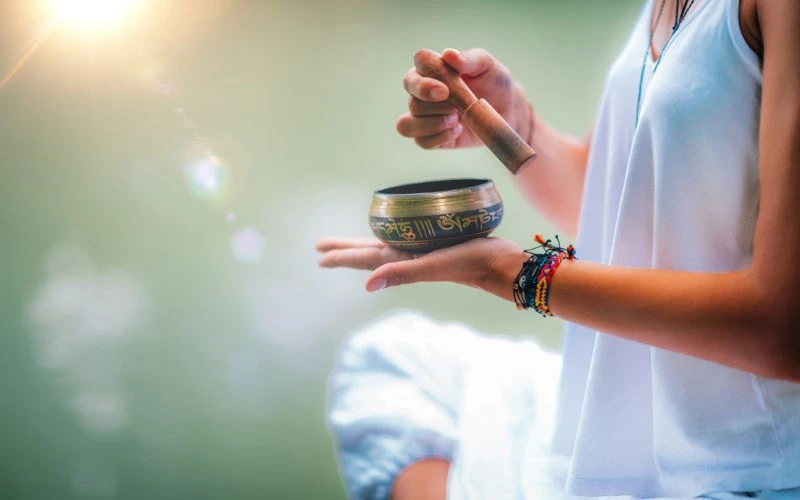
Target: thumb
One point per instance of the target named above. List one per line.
(472, 62)
(404, 273)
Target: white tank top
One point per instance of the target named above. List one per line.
(678, 191)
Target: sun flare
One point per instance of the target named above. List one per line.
(94, 15)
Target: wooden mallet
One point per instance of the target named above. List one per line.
(477, 114)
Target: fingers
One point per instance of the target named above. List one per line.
(429, 267)
(429, 120)
(438, 140)
(472, 62)
(427, 89)
(358, 253)
(410, 126)
(327, 244)
(367, 258)
(434, 124)
(418, 107)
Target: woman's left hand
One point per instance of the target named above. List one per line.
(484, 263)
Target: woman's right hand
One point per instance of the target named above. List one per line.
(435, 123)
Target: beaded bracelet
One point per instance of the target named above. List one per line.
(532, 285)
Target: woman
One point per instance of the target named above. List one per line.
(681, 362)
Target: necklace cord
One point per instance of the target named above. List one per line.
(680, 15)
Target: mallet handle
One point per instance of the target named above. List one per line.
(478, 115)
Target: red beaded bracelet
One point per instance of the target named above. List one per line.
(532, 285)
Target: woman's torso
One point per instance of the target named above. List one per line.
(678, 190)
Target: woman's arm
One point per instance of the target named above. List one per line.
(748, 319)
(728, 318)
(552, 183)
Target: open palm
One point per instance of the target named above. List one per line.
(467, 263)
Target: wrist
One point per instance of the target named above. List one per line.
(502, 272)
(562, 286)
(534, 281)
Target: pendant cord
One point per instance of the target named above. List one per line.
(646, 55)
(677, 15)
(680, 15)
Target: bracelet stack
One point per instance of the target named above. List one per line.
(532, 285)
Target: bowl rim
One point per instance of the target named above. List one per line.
(475, 185)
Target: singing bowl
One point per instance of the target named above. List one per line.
(425, 216)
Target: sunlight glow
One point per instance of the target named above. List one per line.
(8, 75)
(87, 16)
(208, 177)
(92, 15)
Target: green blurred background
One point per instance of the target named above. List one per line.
(165, 330)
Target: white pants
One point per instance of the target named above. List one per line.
(407, 388)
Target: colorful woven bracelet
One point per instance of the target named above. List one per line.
(532, 285)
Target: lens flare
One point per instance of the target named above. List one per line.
(34, 46)
(151, 74)
(247, 245)
(208, 178)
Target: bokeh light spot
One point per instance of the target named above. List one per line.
(208, 178)
(247, 245)
(151, 75)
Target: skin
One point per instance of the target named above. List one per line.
(423, 480)
(745, 319)
(555, 186)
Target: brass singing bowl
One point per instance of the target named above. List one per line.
(428, 215)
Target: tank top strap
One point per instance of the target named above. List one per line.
(734, 28)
